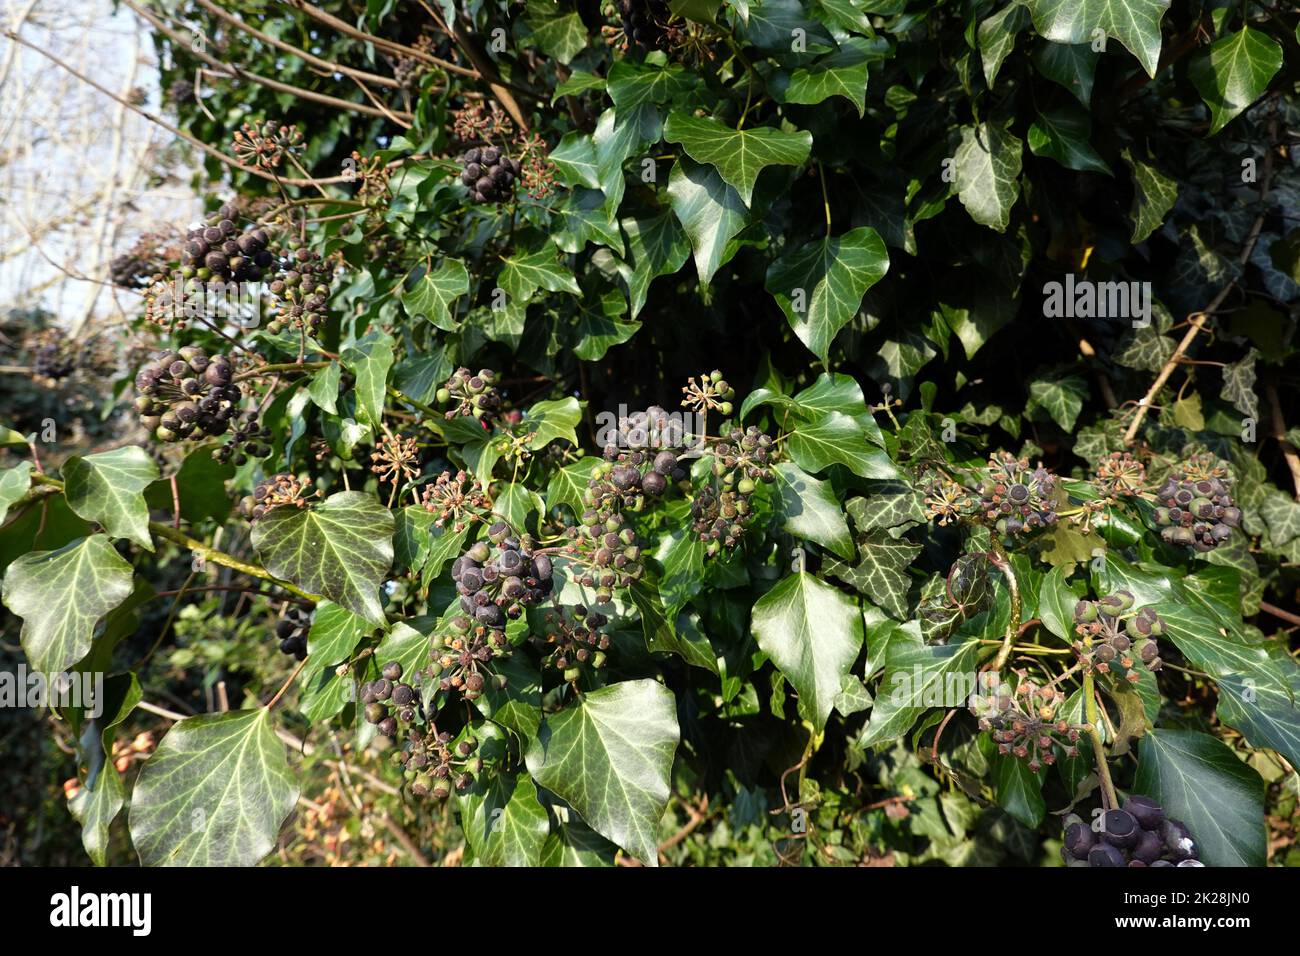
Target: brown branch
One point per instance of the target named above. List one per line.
(1279, 613)
(237, 72)
(311, 58)
(1278, 429)
(1198, 319)
(390, 46)
(157, 121)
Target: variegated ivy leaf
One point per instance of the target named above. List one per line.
(61, 595)
(610, 756)
(997, 38)
(917, 677)
(214, 793)
(575, 160)
(819, 286)
(1061, 398)
(1154, 195)
(434, 292)
(568, 485)
(892, 506)
(738, 155)
(812, 632)
(1134, 23)
(108, 488)
(632, 84)
(987, 169)
(879, 571)
(341, 549)
(1239, 385)
(559, 34)
(1282, 516)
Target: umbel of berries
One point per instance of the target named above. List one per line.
(433, 764)
(470, 394)
(721, 510)
(626, 479)
(1114, 638)
(462, 659)
(489, 175)
(645, 22)
(1016, 498)
(303, 289)
(1024, 720)
(496, 579)
(274, 491)
(291, 630)
(574, 639)
(217, 250)
(1195, 507)
(386, 702)
(1138, 834)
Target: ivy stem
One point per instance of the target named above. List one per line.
(1103, 768)
(279, 367)
(207, 552)
(288, 683)
(998, 558)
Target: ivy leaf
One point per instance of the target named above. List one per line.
(60, 595)
(584, 217)
(334, 634)
(1282, 517)
(432, 296)
(681, 555)
(551, 420)
(598, 326)
(568, 484)
(841, 73)
(14, 483)
(575, 844)
(820, 285)
(1154, 195)
(812, 632)
(1234, 72)
(214, 793)
(709, 210)
(1061, 398)
(102, 794)
(916, 678)
(739, 155)
(503, 822)
(1200, 781)
(369, 361)
(1268, 714)
(445, 546)
(661, 632)
(526, 272)
(341, 549)
(834, 438)
(559, 35)
(575, 160)
(610, 757)
(1072, 65)
(997, 38)
(1134, 23)
(518, 706)
(987, 167)
(108, 488)
(810, 509)
(879, 571)
(1020, 791)
(1063, 133)
(891, 506)
(1056, 604)
(774, 24)
(657, 246)
(829, 393)
(516, 503)
(1239, 385)
(634, 84)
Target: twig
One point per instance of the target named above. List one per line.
(1278, 428)
(1279, 613)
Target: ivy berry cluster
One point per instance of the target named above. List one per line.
(645, 22)
(433, 765)
(1025, 721)
(1016, 498)
(722, 510)
(1103, 647)
(1135, 835)
(462, 660)
(291, 630)
(471, 394)
(574, 638)
(1195, 508)
(496, 579)
(303, 289)
(386, 700)
(488, 174)
(217, 250)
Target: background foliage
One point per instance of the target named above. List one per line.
(853, 209)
